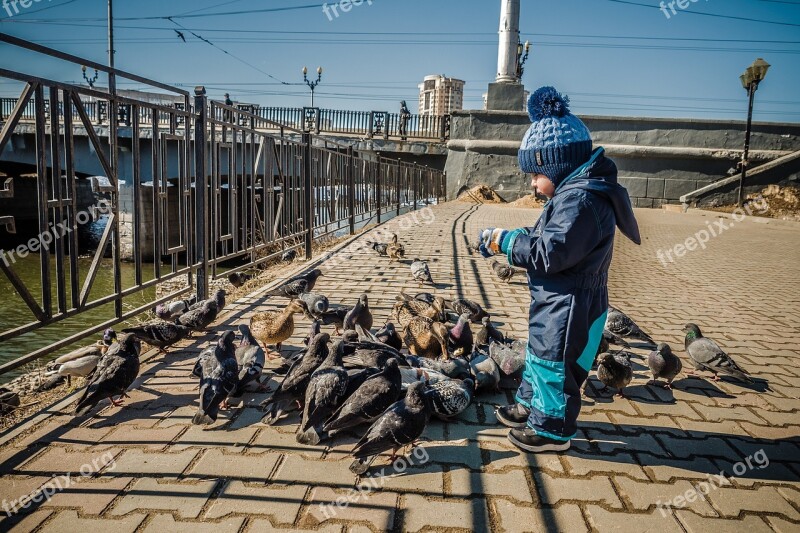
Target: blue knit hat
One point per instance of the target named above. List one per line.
(557, 142)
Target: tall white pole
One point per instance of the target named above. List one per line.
(509, 39)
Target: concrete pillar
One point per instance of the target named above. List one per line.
(509, 39)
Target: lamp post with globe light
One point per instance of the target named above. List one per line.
(751, 78)
(312, 84)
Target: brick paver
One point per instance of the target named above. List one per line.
(651, 462)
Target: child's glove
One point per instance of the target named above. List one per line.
(491, 241)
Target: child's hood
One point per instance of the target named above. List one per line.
(599, 175)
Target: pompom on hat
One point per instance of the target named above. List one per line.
(557, 142)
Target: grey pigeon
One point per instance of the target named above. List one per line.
(290, 289)
(455, 368)
(171, 310)
(400, 425)
(614, 370)
(460, 338)
(293, 387)
(238, 279)
(706, 354)
(369, 401)
(461, 306)
(451, 398)
(509, 357)
(359, 315)
(310, 278)
(379, 247)
(289, 255)
(160, 334)
(621, 324)
(414, 375)
(504, 272)
(200, 319)
(315, 303)
(488, 333)
(421, 272)
(485, 371)
(219, 375)
(250, 357)
(115, 372)
(313, 331)
(218, 298)
(325, 392)
(664, 364)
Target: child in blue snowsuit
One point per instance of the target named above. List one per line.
(567, 255)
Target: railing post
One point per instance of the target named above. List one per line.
(378, 189)
(200, 192)
(308, 195)
(399, 170)
(416, 185)
(351, 189)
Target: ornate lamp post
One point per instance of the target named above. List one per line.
(522, 57)
(751, 78)
(312, 84)
(89, 80)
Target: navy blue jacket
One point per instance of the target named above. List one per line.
(567, 255)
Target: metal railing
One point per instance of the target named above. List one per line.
(369, 124)
(218, 185)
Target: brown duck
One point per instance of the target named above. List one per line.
(274, 327)
(408, 307)
(395, 250)
(426, 338)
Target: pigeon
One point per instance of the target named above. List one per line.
(360, 314)
(310, 278)
(238, 279)
(504, 272)
(664, 364)
(218, 298)
(388, 335)
(460, 337)
(614, 370)
(80, 362)
(379, 247)
(414, 375)
(462, 305)
(369, 401)
(293, 387)
(115, 372)
(510, 358)
(289, 255)
(174, 309)
(707, 355)
(219, 375)
(313, 331)
(332, 317)
(200, 319)
(488, 334)
(315, 303)
(485, 371)
(621, 324)
(369, 354)
(400, 425)
(420, 272)
(290, 289)
(250, 357)
(325, 392)
(426, 297)
(456, 368)
(162, 334)
(612, 338)
(451, 398)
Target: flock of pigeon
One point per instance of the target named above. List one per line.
(391, 380)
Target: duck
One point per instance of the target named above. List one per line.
(80, 362)
(407, 308)
(274, 327)
(395, 250)
(426, 338)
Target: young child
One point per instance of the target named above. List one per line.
(567, 255)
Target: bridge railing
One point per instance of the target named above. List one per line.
(209, 189)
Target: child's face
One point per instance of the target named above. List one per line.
(543, 185)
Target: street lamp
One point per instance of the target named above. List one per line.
(754, 75)
(89, 80)
(522, 57)
(312, 84)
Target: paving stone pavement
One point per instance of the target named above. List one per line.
(649, 462)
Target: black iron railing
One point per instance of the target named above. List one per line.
(222, 184)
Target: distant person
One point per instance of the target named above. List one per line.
(228, 114)
(405, 115)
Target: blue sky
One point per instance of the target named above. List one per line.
(612, 57)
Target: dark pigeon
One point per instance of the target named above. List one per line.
(664, 364)
(451, 398)
(250, 357)
(388, 335)
(325, 393)
(379, 247)
(488, 334)
(162, 334)
(200, 319)
(291, 289)
(359, 315)
(115, 372)
(621, 324)
(219, 375)
(614, 370)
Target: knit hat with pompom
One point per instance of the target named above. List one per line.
(557, 142)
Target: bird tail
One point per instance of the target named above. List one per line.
(642, 336)
(86, 404)
(51, 383)
(362, 464)
(201, 418)
(310, 437)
